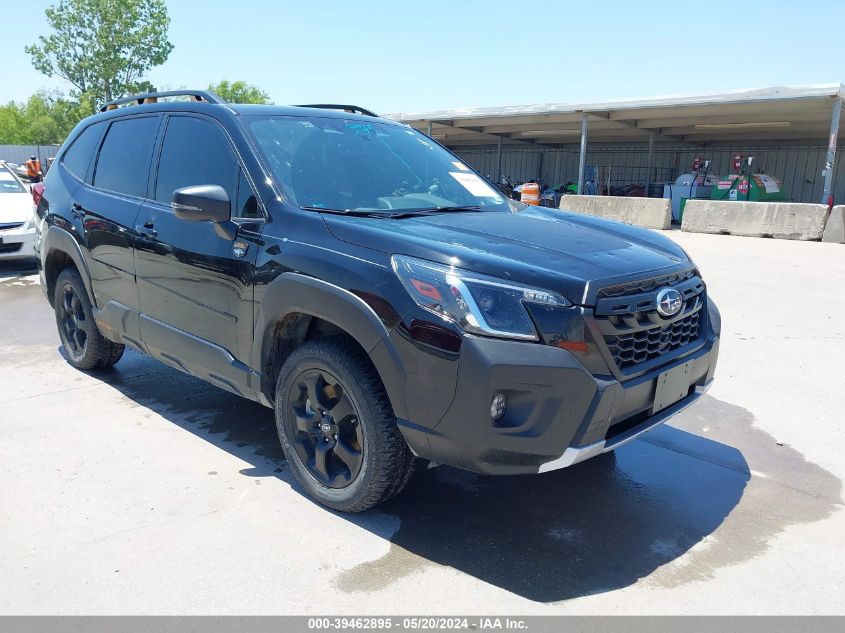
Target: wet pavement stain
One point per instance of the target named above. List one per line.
(672, 508)
(241, 427)
(382, 572)
(783, 489)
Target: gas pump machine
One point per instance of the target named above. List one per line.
(742, 184)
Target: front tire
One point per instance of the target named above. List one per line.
(337, 427)
(85, 347)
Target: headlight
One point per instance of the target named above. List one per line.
(478, 303)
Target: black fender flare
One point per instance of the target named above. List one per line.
(56, 238)
(296, 293)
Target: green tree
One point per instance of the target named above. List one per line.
(46, 118)
(12, 125)
(103, 47)
(240, 92)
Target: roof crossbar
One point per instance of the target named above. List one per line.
(336, 106)
(198, 95)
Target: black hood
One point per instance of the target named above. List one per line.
(557, 250)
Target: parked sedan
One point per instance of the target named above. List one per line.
(17, 217)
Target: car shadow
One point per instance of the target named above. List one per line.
(594, 527)
(18, 268)
(591, 528)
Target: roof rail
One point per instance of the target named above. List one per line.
(198, 95)
(336, 106)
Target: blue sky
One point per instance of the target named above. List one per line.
(440, 54)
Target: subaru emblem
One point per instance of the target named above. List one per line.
(669, 302)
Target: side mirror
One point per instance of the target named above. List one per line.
(201, 203)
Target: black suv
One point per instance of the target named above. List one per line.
(356, 276)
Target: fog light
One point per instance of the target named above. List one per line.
(498, 406)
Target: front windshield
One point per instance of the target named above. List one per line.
(357, 165)
(8, 183)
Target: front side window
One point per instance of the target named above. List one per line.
(124, 161)
(77, 158)
(358, 165)
(194, 152)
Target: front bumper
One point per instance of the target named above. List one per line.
(17, 244)
(558, 413)
(574, 454)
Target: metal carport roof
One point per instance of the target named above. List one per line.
(788, 113)
(780, 113)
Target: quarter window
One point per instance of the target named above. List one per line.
(124, 161)
(77, 158)
(194, 152)
(247, 206)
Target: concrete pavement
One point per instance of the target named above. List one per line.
(145, 491)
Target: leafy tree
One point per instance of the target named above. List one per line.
(12, 125)
(46, 118)
(240, 92)
(103, 47)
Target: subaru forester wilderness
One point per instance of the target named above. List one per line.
(367, 284)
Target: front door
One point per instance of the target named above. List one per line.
(195, 285)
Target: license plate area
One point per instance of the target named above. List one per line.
(672, 385)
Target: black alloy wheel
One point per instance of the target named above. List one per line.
(85, 346)
(72, 322)
(337, 427)
(325, 428)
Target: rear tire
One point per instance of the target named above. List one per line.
(337, 427)
(85, 347)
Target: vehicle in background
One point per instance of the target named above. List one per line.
(17, 218)
(20, 170)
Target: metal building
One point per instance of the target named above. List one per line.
(792, 132)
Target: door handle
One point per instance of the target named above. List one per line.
(146, 230)
(77, 210)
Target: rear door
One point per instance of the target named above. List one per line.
(108, 204)
(195, 286)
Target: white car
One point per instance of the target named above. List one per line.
(17, 217)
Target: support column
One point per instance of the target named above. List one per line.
(582, 161)
(831, 151)
(498, 174)
(429, 128)
(649, 162)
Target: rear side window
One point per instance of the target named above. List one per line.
(124, 161)
(78, 156)
(195, 152)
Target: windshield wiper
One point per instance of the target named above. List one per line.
(355, 212)
(399, 213)
(406, 213)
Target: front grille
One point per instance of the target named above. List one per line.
(10, 226)
(10, 248)
(635, 333)
(638, 347)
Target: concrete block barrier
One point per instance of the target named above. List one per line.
(653, 213)
(834, 230)
(783, 220)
